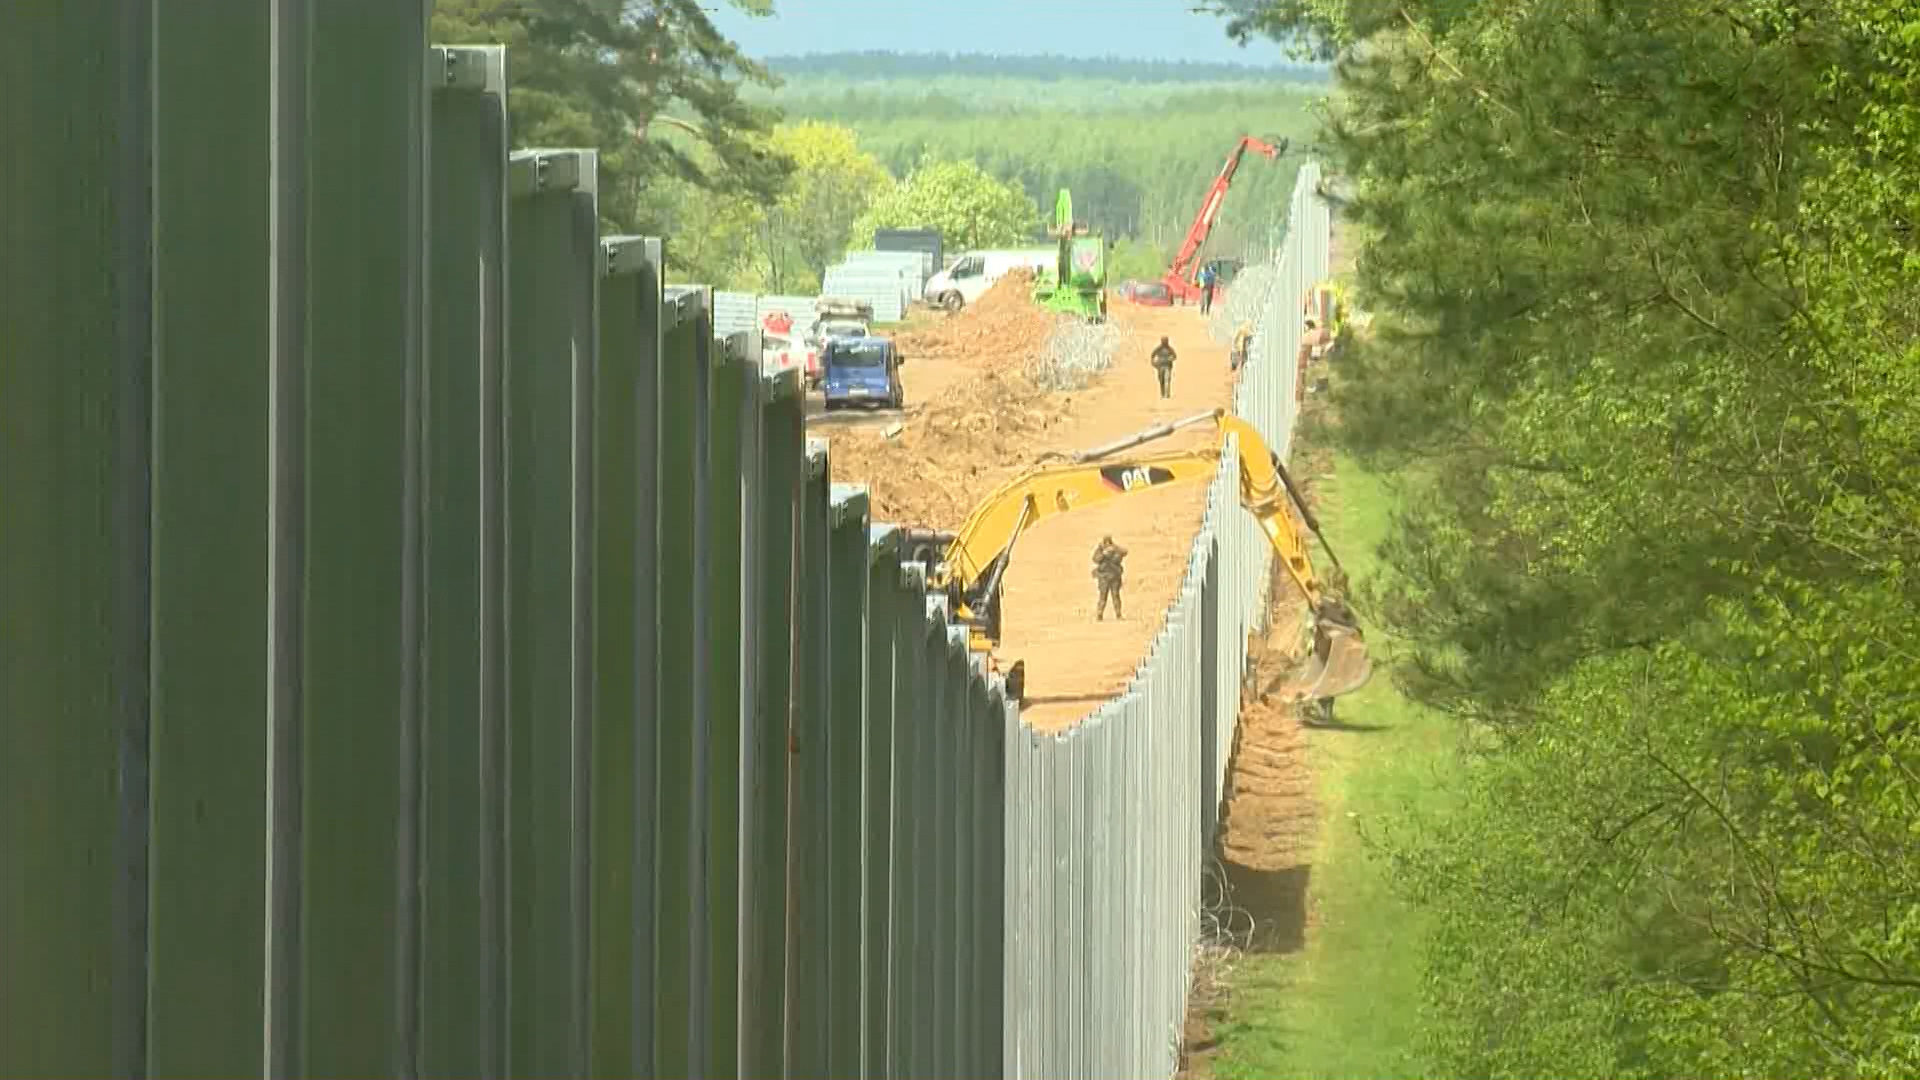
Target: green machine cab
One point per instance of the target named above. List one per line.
(1077, 282)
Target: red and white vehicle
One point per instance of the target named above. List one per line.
(782, 346)
(1149, 294)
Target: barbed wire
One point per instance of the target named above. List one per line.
(1074, 354)
(1246, 301)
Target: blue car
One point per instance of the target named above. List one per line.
(862, 371)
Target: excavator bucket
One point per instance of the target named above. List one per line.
(1339, 664)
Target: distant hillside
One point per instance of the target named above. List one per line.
(917, 66)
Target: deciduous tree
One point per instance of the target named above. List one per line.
(1647, 354)
(834, 183)
(970, 208)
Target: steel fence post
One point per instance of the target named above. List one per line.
(1108, 1053)
(684, 656)
(1211, 690)
(735, 384)
(928, 852)
(974, 1040)
(77, 454)
(877, 798)
(219, 705)
(553, 278)
(955, 848)
(462, 801)
(360, 675)
(992, 863)
(807, 983)
(909, 759)
(626, 421)
(1079, 861)
(778, 565)
(847, 688)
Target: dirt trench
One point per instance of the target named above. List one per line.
(1256, 893)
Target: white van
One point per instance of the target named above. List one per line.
(975, 272)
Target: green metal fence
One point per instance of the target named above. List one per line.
(426, 650)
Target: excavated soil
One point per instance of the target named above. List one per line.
(979, 421)
(976, 419)
(1000, 331)
(1269, 819)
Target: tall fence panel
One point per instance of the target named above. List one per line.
(429, 649)
(75, 401)
(462, 800)
(622, 899)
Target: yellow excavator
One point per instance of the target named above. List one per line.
(970, 565)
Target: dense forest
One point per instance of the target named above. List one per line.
(1138, 159)
(914, 67)
(763, 173)
(1646, 363)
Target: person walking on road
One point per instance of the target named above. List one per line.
(1107, 573)
(1206, 289)
(1162, 361)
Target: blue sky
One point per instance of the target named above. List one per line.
(1134, 29)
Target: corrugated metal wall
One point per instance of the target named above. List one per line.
(735, 313)
(1109, 822)
(425, 650)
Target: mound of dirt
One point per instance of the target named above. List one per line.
(977, 433)
(1002, 330)
(954, 451)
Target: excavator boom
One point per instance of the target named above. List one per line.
(975, 559)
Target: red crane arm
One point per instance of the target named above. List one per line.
(1179, 276)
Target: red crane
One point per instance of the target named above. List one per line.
(1179, 276)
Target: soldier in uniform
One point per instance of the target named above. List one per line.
(1108, 572)
(1162, 361)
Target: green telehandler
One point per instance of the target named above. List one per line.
(1077, 282)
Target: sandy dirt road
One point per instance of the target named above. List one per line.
(963, 440)
(1074, 662)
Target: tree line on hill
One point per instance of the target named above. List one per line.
(915, 67)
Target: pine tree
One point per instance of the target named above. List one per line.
(653, 86)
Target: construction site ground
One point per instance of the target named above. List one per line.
(974, 419)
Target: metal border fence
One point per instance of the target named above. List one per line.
(425, 649)
(1109, 823)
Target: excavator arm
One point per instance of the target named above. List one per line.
(973, 567)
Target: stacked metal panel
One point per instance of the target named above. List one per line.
(917, 265)
(886, 290)
(734, 312)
